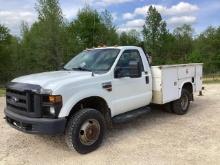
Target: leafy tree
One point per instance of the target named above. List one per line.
(43, 43)
(87, 28)
(5, 53)
(184, 42)
(51, 25)
(111, 37)
(131, 37)
(92, 29)
(154, 32)
(206, 49)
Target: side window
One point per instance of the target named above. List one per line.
(127, 56)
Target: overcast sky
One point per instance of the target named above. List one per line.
(128, 14)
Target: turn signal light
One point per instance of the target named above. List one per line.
(55, 99)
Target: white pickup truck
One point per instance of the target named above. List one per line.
(96, 89)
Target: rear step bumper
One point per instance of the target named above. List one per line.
(35, 125)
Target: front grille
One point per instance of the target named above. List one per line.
(20, 99)
(17, 100)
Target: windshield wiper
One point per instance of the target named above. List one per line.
(82, 69)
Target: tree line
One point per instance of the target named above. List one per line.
(53, 40)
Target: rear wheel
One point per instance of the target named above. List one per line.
(181, 106)
(85, 130)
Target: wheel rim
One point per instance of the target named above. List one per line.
(89, 132)
(184, 102)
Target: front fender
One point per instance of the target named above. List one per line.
(80, 95)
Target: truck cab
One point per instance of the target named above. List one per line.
(94, 89)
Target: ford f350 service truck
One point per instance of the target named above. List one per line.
(97, 88)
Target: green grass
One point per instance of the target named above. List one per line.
(211, 81)
(2, 92)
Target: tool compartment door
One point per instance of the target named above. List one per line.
(170, 88)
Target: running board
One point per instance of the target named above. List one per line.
(131, 115)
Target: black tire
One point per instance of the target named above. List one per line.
(75, 135)
(181, 106)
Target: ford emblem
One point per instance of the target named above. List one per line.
(14, 99)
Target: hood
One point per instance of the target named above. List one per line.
(50, 80)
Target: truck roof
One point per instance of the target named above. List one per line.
(118, 47)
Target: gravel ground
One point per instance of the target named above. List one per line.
(156, 138)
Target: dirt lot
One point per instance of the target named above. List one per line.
(156, 138)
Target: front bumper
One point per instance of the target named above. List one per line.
(35, 125)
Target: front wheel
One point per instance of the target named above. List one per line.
(181, 106)
(85, 130)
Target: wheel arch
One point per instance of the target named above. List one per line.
(94, 102)
(189, 87)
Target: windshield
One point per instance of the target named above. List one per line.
(96, 60)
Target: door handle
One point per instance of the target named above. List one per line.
(147, 79)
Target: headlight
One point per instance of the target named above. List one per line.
(51, 105)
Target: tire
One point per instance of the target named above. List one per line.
(85, 130)
(181, 106)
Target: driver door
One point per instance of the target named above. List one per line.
(129, 93)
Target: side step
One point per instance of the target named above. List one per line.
(131, 115)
